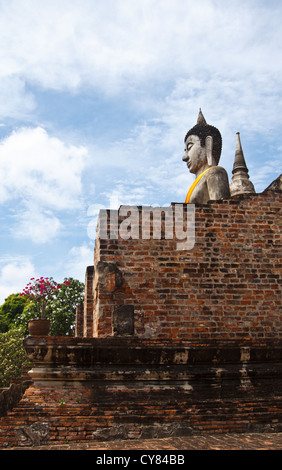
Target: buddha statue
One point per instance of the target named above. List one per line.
(203, 145)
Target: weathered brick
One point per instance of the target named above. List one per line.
(235, 263)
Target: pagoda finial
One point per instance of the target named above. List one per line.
(239, 162)
(240, 183)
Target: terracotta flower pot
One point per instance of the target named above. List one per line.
(39, 327)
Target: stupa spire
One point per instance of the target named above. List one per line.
(240, 183)
(239, 162)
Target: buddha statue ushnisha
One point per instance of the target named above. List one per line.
(203, 144)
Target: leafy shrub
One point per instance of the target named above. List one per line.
(12, 356)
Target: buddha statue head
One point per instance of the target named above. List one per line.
(203, 144)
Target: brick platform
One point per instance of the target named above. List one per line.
(88, 390)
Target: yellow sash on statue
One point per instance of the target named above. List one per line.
(195, 184)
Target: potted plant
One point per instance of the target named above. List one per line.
(40, 291)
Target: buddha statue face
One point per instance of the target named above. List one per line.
(194, 154)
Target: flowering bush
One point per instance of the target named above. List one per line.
(40, 291)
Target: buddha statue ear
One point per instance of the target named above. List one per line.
(209, 148)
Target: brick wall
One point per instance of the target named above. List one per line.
(227, 286)
(86, 389)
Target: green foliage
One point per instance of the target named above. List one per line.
(60, 309)
(40, 291)
(30, 311)
(12, 308)
(15, 313)
(12, 356)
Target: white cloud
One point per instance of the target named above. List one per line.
(116, 44)
(15, 100)
(79, 257)
(41, 168)
(14, 276)
(167, 58)
(44, 175)
(39, 226)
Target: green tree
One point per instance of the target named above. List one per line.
(60, 309)
(29, 312)
(10, 310)
(12, 356)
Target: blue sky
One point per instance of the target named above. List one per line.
(96, 97)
